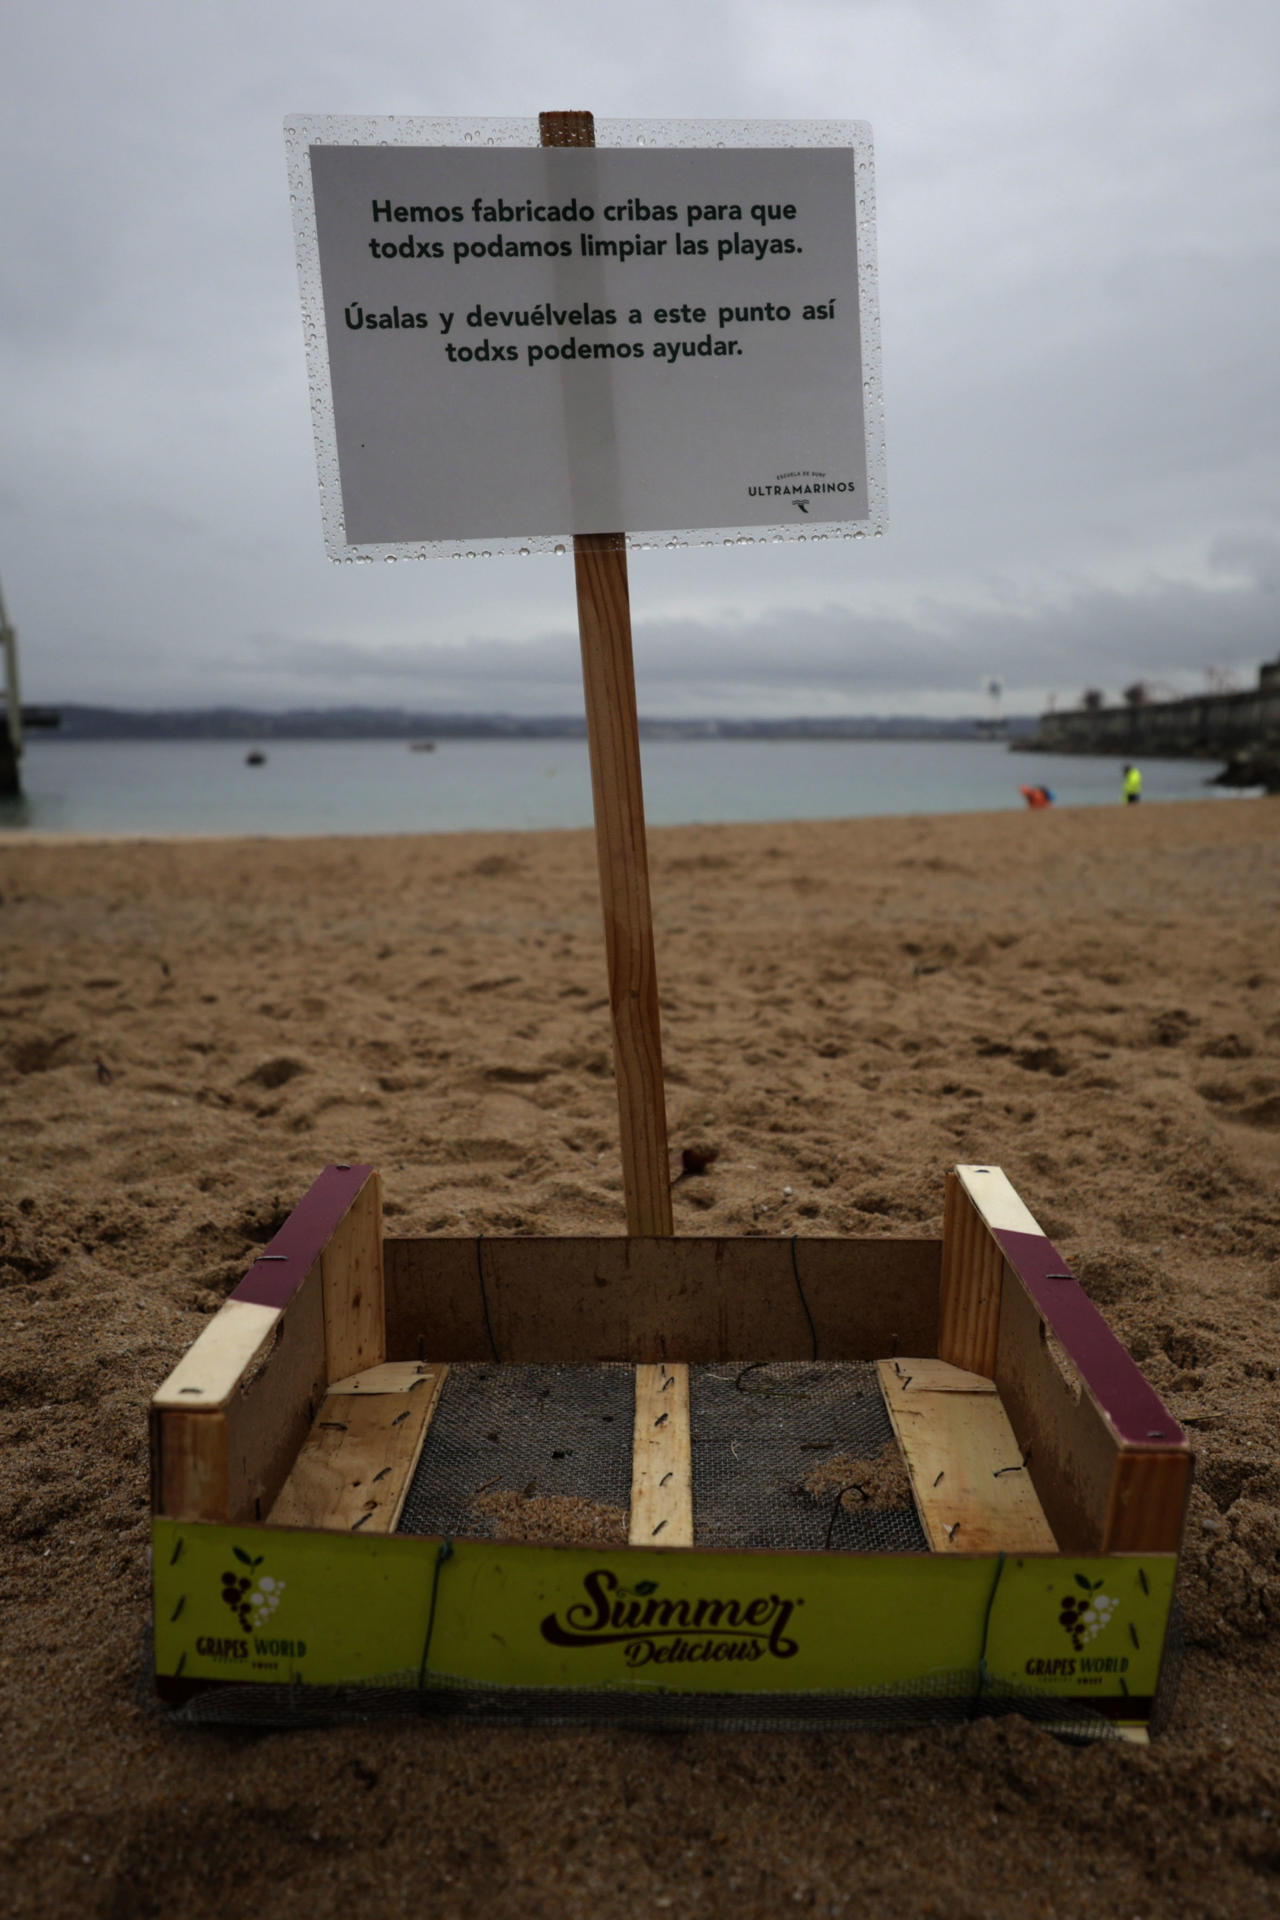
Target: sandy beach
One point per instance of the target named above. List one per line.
(191, 1030)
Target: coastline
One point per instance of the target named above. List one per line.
(193, 1027)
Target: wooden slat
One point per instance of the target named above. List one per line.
(357, 1462)
(269, 1415)
(1074, 1451)
(293, 1251)
(392, 1376)
(1099, 1494)
(1147, 1509)
(996, 1200)
(613, 737)
(971, 1489)
(937, 1376)
(661, 1473)
(972, 1277)
(228, 1462)
(1095, 1358)
(210, 1371)
(228, 1422)
(1109, 1462)
(189, 1455)
(698, 1299)
(604, 622)
(354, 1312)
(567, 129)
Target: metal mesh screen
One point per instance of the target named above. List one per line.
(797, 1454)
(525, 1434)
(787, 1454)
(945, 1699)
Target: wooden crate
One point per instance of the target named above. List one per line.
(1044, 1469)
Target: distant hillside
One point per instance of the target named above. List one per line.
(395, 723)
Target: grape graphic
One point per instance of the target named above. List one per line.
(1084, 1615)
(234, 1591)
(265, 1599)
(251, 1608)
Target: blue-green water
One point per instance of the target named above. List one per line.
(348, 786)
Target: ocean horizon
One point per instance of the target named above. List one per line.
(306, 787)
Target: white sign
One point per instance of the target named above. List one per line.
(525, 343)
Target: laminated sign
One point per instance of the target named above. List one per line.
(672, 331)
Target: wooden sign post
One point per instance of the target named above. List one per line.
(513, 343)
(298, 1435)
(608, 677)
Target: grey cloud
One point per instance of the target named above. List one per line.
(1254, 556)
(804, 660)
(1079, 276)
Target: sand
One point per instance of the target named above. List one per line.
(881, 1482)
(190, 1031)
(549, 1519)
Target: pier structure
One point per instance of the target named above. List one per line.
(1210, 726)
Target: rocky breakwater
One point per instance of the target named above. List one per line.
(1256, 766)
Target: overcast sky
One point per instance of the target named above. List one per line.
(1079, 241)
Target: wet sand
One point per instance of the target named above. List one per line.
(190, 1031)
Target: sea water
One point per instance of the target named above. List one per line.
(382, 786)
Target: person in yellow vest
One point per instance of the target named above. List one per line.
(1132, 786)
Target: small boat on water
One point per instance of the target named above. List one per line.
(255, 759)
(422, 746)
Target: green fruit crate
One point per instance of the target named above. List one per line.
(789, 1482)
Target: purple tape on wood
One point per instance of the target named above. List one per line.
(1134, 1408)
(281, 1267)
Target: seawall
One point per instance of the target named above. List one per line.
(1209, 726)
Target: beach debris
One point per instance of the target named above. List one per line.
(275, 1072)
(688, 1162)
(1171, 1028)
(880, 1482)
(1047, 1059)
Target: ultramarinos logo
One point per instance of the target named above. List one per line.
(800, 486)
(653, 1631)
(804, 486)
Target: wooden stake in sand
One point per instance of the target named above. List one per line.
(608, 674)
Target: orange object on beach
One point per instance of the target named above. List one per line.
(1036, 796)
